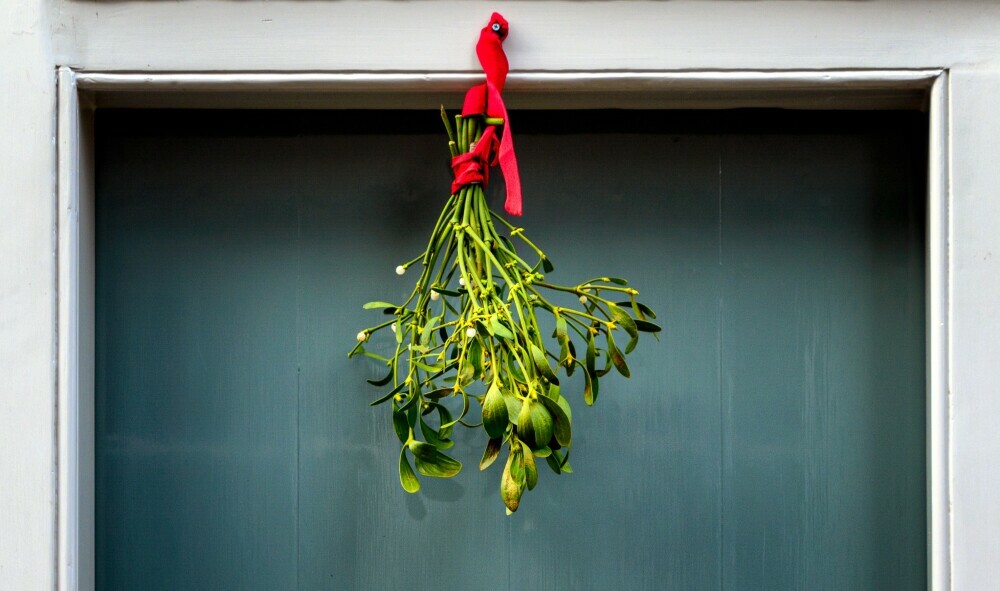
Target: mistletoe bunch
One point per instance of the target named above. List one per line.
(471, 325)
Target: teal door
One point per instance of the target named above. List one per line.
(774, 438)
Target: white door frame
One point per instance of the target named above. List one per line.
(79, 92)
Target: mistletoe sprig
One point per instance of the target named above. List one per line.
(471, 324)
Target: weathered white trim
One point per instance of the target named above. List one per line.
(291, 35)
(75, 341)
(518, 81)
(938, 301)
(76, 236)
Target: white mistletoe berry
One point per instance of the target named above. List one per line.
(435, 295)
(470, 332)
(362, 336)
(400, 270)
(461, 281)
(583, 299)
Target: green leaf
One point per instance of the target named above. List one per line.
(439, 393)
(561, 423)
(500, 330)
(400, 424)
(425, 334)
(591, 355)
(446, 292)
(513, 407)
(561, 332)
(357, 350)
(495, 419)
(511, 488)
(378, 305)
(427, 368)
(607, 364)
(643, 309)
(617, 358)
(530, 471)
(615, 280)
(645, 326)
(433, 463)
(630, 346)
(406, 476)
(542, 452)
(622, 318)
(553, 463)
(433, 437)
(547, 265)
(589, 393)
(541, 363)
(391, 393)
(564, 404)
(382, 381)
(474, 353)
(570, 366)
(491, 453)
(535, 424)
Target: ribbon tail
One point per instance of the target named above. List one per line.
(507, 158)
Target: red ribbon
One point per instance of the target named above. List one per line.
(474, 166)
(485, 100)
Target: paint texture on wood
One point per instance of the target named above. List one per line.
(28, 340)
(773, 439)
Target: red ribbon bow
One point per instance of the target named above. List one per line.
(485, 100)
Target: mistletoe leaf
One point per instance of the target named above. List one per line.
(407, 478)
(530, 471)
(643, 309)
(439, 393)
(433, 437)
(433, 463)
(382, 381)
(491, 453)
(389, 395)
(446, 292)
(542, 364)
(542, 452)
(561, 332)
(535, 424)
(512, 482)
(561, 423)
(617, 358)
(500, 330)
(400, 424)
(495, 412)
(589, 392)
(645, 326)
(514, 407)
(591, 355)
(425, 334)
(378, 305)
(622, 318)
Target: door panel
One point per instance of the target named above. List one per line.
(773, 438)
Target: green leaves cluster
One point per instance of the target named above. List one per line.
(471, 325)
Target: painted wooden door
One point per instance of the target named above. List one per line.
(773, 439)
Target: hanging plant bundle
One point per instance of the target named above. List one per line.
(470, 329)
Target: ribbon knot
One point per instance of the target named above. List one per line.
(474, 166)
